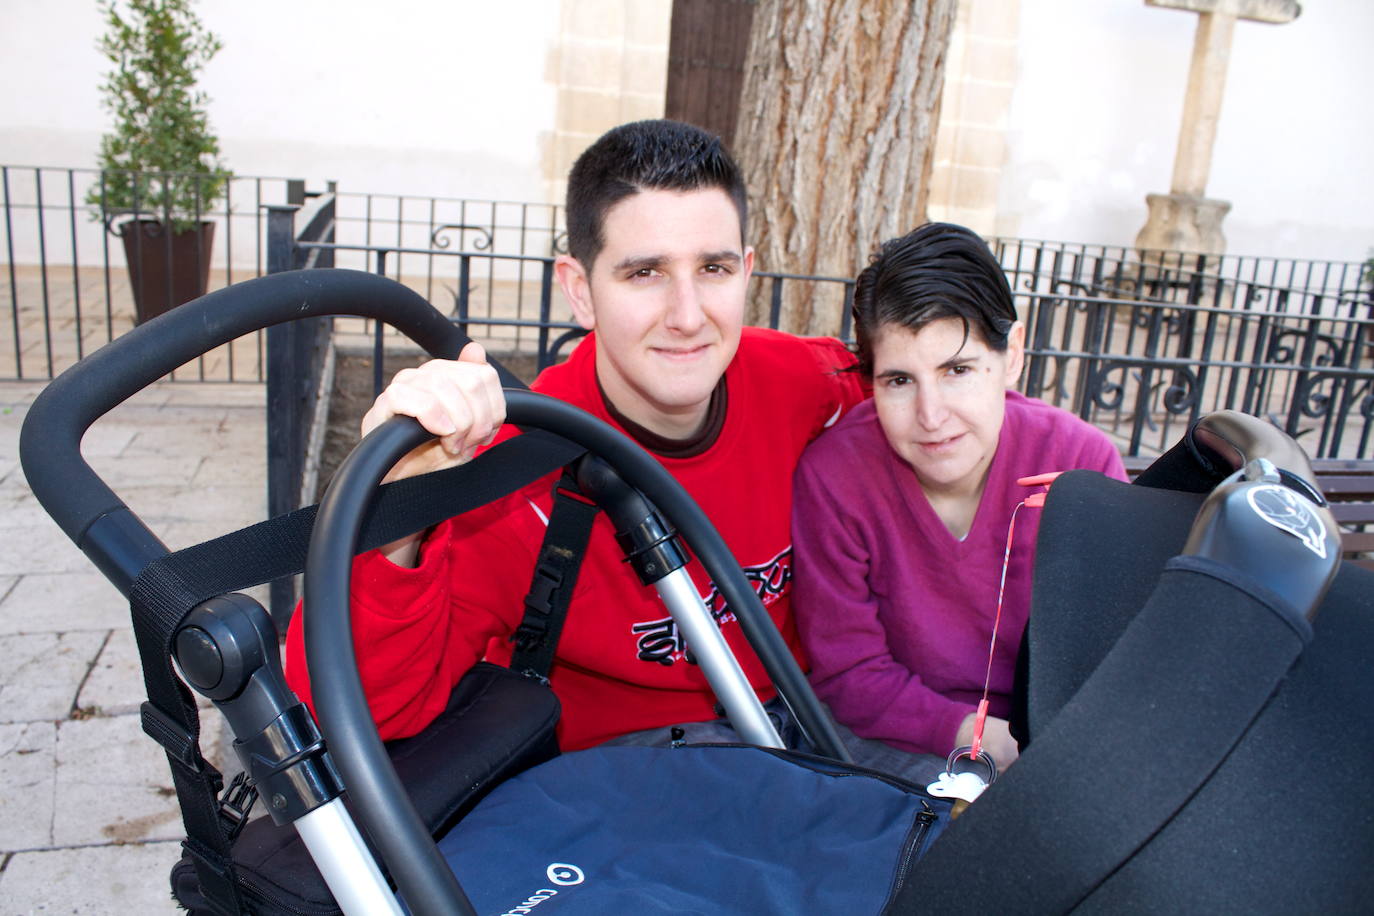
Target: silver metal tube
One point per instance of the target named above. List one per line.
(717, 662)
(345, 862)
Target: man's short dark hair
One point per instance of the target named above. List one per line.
(936, 271)
(642, 156)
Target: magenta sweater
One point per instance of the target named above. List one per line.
(895, 614)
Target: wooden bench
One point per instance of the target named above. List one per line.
(1348, 484)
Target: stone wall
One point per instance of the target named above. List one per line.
(610, 66)
(971, 145)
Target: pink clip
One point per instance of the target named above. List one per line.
(1038, 479)
(978, 722)
(1036, 500)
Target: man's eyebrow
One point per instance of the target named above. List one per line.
(727, 256)
(641, 262)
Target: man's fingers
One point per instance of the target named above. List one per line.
(421, 401)
(487, 387)
(473, 352)
(460, 401)
(495, 402)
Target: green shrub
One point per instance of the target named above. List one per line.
(161, 161)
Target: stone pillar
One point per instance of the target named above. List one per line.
(1185, 219)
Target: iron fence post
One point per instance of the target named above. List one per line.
(296, 352)
(464, 281)
(545, 313)
(379, 337)
(284, 403)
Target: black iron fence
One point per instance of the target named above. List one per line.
(65, 289)
(1138, 343)
(64, 286)
(1141, 343)
(1140, 359)
(420, 229)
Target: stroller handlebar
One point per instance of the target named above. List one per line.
(50, 441)
(340, 701)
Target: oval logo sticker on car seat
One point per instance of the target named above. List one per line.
(1287, 511)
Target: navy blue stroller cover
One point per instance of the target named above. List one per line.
(696, 829)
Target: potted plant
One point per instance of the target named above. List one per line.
(160, 164)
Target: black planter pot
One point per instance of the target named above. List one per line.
(165, 268)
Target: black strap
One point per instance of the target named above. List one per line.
(278, 547)
(169, 717)
(555, 577)
(170, 587)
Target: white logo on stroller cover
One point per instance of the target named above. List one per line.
(1285, 510)
(564, 875)
(560, 873)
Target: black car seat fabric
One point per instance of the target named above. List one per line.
(1276, 823)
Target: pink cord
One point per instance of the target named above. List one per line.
(1035, 501)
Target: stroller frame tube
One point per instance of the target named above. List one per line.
(718, 663)
(345, 861)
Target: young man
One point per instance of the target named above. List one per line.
(658, 272)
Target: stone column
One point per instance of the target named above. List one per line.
(1186, 219)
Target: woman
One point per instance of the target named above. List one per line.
(901, 511)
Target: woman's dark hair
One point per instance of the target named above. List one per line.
(657, 155)
(937, 271)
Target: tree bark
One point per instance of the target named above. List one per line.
(836, 135)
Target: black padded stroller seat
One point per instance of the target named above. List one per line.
(1282, 823)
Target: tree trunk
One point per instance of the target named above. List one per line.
(836, 134)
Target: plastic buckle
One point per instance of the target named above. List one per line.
(539, 606)
(237, 803)
(534, 676)
(546, 582)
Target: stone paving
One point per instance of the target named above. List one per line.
(88, 818)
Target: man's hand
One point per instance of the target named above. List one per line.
(997, 739)
(460, 401)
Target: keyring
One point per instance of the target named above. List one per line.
(967, 751)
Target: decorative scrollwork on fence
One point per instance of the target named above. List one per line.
(1319, 394)
(1312, 401)
(1173, 322)
(1105, 393)
(1328, 351)
(1278, 350)
(1183, 393)
(560, 243)
(439, 237)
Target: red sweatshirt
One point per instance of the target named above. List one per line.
(620, 665)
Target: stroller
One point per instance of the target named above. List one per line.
(1194, 671)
